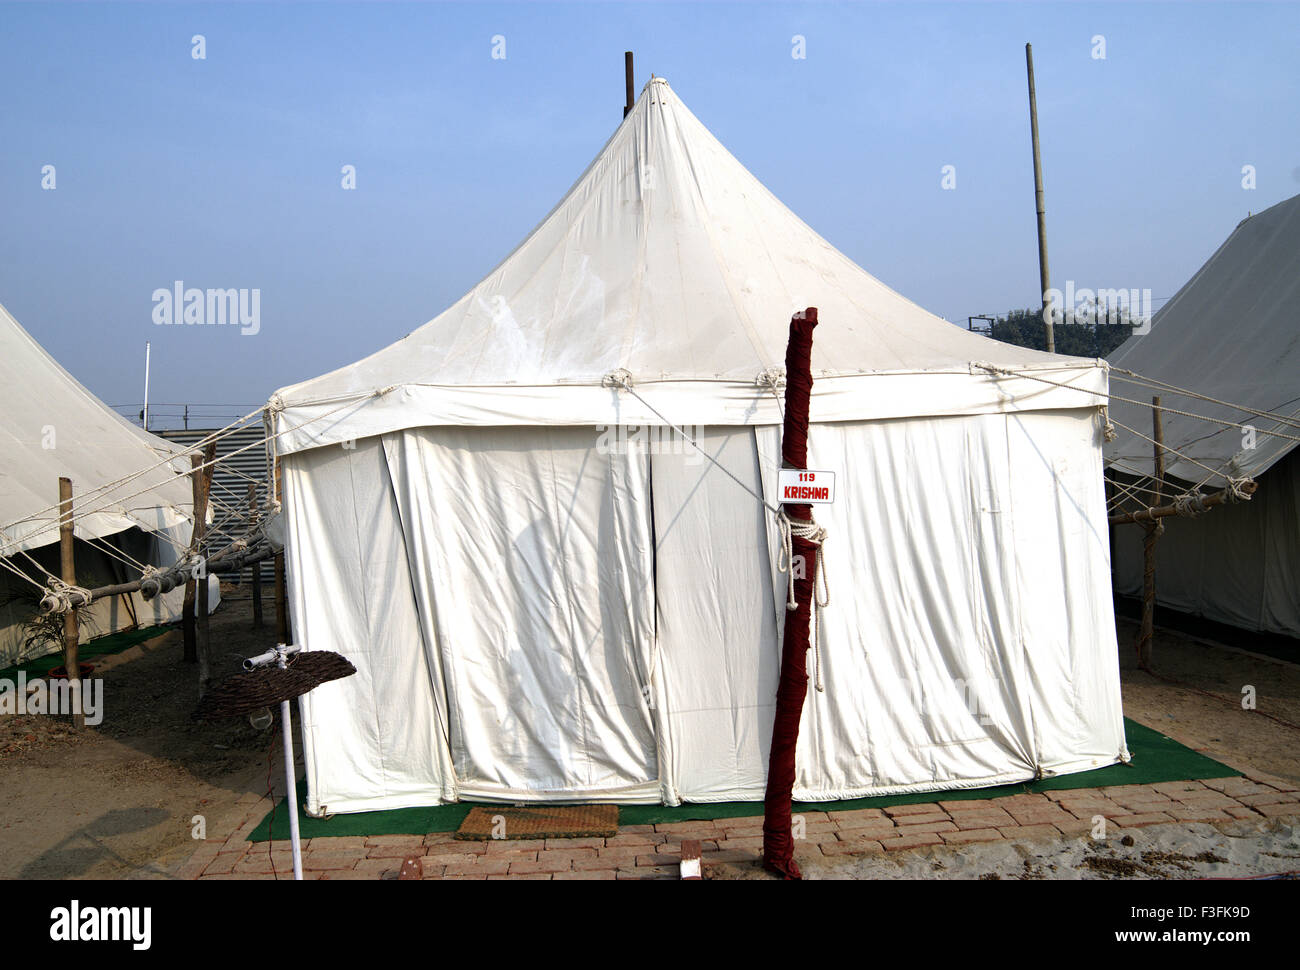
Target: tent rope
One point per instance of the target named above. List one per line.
(811, 532)
(994, 369)
(789, 528)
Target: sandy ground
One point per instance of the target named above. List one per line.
(118, 800)
(1216, 725)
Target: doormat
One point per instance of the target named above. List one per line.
(539, 822)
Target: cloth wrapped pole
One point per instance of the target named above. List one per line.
(792, 688)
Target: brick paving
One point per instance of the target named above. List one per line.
(653, 851)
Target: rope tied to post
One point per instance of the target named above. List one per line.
(810, 532)
(60, 596)
(806, 529)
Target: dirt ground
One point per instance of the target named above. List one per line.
(118, 801)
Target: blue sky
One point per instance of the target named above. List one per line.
(225, 172)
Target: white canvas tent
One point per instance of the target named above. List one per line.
(53, 427)
(1231, 333)
(538, 612)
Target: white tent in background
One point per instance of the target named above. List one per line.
(53, 427)
(536, 612)
(1231, 333)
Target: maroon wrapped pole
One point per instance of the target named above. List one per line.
(778, 843)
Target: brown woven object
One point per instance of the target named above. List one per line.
(539, 822)
(322, 666)
(267, 686)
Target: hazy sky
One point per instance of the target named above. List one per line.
(225, 171)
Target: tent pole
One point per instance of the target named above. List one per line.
(281, 605)
(792, 688)
(257, 567)
(291, 786)
(1044, 277)
(1152, 532)
(627, 80)
(69, 573)
(202, 643)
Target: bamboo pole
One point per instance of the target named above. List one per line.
(1213, 500)
(257, 569)
(1044, 277)
(228, 560)
(1152, 529)
(68, 568)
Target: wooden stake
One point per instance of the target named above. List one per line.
(1153, 530)
(69, 573)
(1044, 277)
(281, 600)
(257, 567)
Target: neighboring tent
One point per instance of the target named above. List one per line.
(540, 608)
(53, 427)
(1231, 333)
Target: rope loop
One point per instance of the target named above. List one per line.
(622, 378)
(817, 535)
(59, 597)
(1237, 490)
(1107, 429)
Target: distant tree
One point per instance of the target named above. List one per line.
(1025, 328)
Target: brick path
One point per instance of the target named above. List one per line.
(653, 851)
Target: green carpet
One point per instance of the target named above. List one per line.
(1156, 758)
(100, 646)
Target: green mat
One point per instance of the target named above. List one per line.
(1156, 758)
(100, 646)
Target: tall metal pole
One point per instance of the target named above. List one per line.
(1044, 278)
(146, 385)
(627, 78)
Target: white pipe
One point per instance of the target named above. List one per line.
(291, 785)
(146, 385)
(271, 655)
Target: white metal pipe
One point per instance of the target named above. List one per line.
(270, 656)
(146, 385)
(291, 786)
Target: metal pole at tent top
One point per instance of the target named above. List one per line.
(627, 80)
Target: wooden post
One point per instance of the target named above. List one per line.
(627, 80)
(69, 574)
(1152, 532)
(257, 566)
(281, 600)
(1044, 277)
(792, 686)
(202, 643)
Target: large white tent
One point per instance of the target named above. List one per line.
(53, 427)
(537, 612)
(1232, 333)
